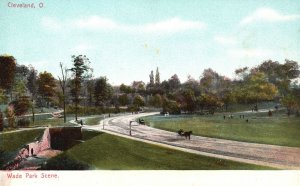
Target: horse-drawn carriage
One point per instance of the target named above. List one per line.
(186, 134)
(141, 121)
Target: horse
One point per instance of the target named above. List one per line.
(186, 134)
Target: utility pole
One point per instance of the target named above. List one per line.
(130, 127)
(103, 121)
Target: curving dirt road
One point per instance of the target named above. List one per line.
(260, 154)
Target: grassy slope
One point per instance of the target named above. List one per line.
(277, 130)
(93, 121)
(106, 151)
(15, 140)
(10, 143)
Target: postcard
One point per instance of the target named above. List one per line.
(149, 92)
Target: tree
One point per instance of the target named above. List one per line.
(90, 86)
(10, 115)
(174, 82)
(19, 88)
(156, 101)
(125, 89)
(170, 106)
(157, 77)
(103, 92)
(209, 102)
(80, 69)
(189, 101)
(280, 75)
(3, 98)
(256, 88)
(123, 100)
(20, 106)
(63, 86)
(7, 72)
(138, 101)
(292, 100)
(193, 85)
(151, 76)
(33, 88)
(46, 85)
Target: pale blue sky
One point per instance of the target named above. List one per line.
(125, 40)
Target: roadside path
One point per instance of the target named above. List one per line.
(261, 154)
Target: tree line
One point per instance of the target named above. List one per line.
(77, 91)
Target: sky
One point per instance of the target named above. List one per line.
(125, 40)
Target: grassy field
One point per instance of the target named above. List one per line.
(110, 152)
(278, 129)
(93, 121)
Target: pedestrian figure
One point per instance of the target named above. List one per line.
(224, 116)
(270, 113)
(247, 120)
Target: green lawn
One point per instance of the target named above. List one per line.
(110, 152)
(93, 121)
(51, 122)
(278, 129)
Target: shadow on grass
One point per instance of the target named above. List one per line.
(64, 162)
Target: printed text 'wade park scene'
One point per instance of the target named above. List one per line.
(149, 85)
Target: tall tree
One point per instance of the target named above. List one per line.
(33, 88)
(90, 86)
(46, 86)
(79, 72)
(151, 76)
(280, 75)
(157, 77)
(7, 72)
(63, 86)
(174, 82)
(103, 92)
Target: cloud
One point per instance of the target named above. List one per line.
(51, 24)
(225, 40)
(250, 53)
(172, 25)
(98, 23)
(267, 15)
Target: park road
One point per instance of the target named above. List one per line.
(261, 154)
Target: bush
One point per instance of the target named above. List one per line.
(172, 107)
(23, 122)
